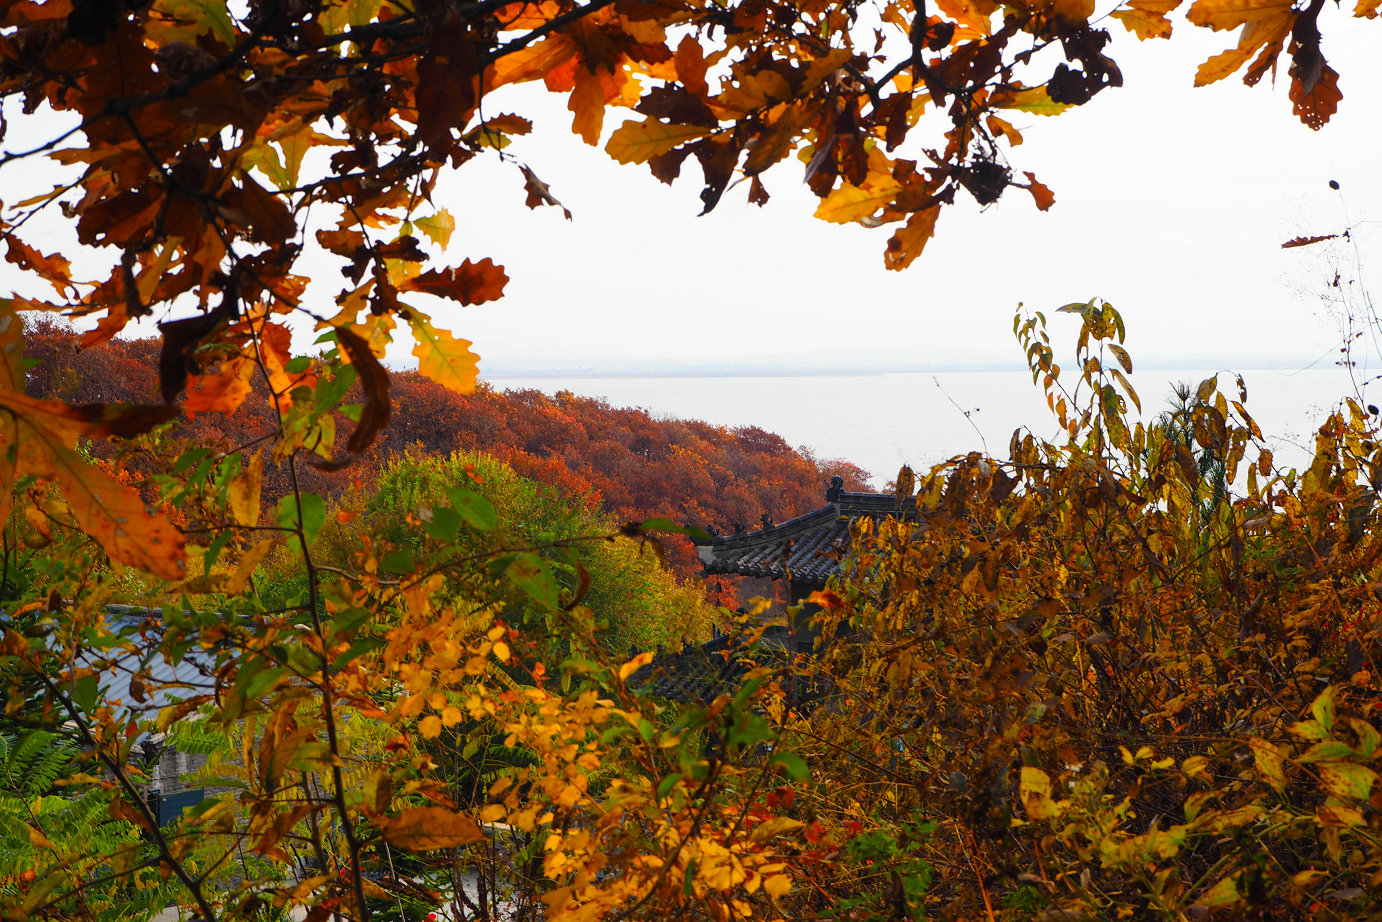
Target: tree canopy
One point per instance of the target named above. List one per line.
(1034, 676)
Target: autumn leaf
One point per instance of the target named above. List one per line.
(639, 142)
(442, 357)
(850, 202)
(438, 227)
(1032, 100)
(1306, 241)
(1043, 196)
(587, 103)
(1147, 18)
(907, 242)
(424, 829)
(1315, 105)
(539, 193)
(469, 283)
(114, 515)
(377, 407)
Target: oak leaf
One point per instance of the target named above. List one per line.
(850, 202)
(422, 829)
(442, 357)
(1033, 100)
(639, 142)
(1147, 18)
(1314, 106)
(908, 241)
(469, 283)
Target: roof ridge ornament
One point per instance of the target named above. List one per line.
(836, 488)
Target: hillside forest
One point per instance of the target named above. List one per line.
(404, 636)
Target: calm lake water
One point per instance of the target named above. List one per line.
(882, 421)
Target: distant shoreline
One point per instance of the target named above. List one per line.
(500, 376)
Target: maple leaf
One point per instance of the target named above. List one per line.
(442, 357)
(469, 283)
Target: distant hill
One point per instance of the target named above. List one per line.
(622, 460)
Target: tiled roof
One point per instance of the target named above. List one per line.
(163, 682)
(809, 546)
(697, 674)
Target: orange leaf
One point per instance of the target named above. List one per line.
(221, 392)
(691, 66)
(422, 829)
(588, 104)
(114, 515)
(1044, 197)
(907, 243)
(1316, 106)
(469, 283)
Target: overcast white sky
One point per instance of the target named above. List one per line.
(1171, 203)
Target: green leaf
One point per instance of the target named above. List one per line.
(477, 511)
(313, 514)
(667, 526)
(1347, 780)
(531, 575)
(399, 562)
(444, 524)
(1325, 751)
(1323, 707)
(794, 765)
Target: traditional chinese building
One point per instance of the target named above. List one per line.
(804, 553)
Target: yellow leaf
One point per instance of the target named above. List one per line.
(430, 727)
(1073, 10)
(423, 829)
(1147, 18)
(1257, 36)
(850, 202)
(635, 664)
(243, 493)
(774, 827)
(442, 357)
(38, 840)
(1230, 14)
(501, 652)
(249, 560)
(438, 227)
(1268, 760)
(777, 885)
(639, 142)
(1032, 100)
